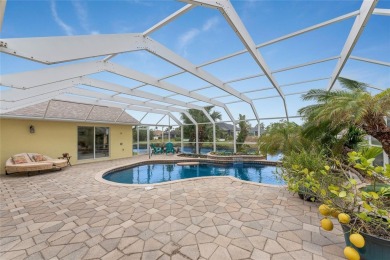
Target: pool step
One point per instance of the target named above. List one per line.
(187, 163)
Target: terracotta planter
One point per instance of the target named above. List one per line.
(375, 249)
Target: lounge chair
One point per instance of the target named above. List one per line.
(57, 163)
(169, 148)
(32, 162)
(156, 150)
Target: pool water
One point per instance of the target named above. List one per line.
(157, 173)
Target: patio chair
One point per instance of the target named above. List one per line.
(156, 150)
(169, 148)
(32, 162)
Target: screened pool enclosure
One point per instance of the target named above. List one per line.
(260, 72)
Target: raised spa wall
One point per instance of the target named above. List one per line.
(244, 158)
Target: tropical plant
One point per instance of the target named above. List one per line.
(205, 131)
(282, 137)
(351, 106)
(244, 131)
(312, 159)
(262, 128)
(337, 141)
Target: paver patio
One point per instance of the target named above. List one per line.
(69, 215)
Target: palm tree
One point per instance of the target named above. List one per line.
(244, 131)
(205, 131)
(336, 141)
(351, 106)
(282, 137)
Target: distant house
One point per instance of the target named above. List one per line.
(157, 134)
(254, 130)
(166, 134)
(228, 128)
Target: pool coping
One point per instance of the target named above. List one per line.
(100, 174)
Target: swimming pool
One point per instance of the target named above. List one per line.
(157, 173)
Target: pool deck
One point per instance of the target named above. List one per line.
(69, 215)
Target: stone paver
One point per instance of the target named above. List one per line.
(69, 215)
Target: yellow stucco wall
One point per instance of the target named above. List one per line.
(53, 138)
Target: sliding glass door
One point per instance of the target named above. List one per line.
(101, 141)
(93, 142)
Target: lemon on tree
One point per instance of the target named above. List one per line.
(335, 213)
(327, 224)
(324, 210)
(344, 218)
(351, 254)
(357, 240)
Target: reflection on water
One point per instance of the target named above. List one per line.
(156, 173)
(186, 149)
(190, 149)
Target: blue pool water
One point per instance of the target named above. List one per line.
(156, 173)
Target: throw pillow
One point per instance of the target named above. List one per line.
(39, 158)
(19, 159)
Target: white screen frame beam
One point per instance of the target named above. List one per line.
(357, 29)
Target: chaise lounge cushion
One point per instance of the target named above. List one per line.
(10, 167)
(57, 163)
(38, 158)
(27, 163)
(19, 159)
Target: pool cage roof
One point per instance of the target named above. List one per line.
(85, 56)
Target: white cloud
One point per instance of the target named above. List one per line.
(140, 2)
(186, 38)
(66, 28)
(82, 15)
(210, 23)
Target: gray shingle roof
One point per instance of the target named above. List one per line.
(225, 127)
(56, 109)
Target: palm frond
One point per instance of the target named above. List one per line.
(382, 100)
(353, 85)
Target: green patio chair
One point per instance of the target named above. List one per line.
(156, 150)
(169, 148)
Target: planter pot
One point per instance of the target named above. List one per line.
(375, 249)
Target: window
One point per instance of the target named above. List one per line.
(379, 160)
(93, 142)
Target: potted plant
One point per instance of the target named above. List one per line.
(364, 215)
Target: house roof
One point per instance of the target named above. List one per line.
(225, 127)
(64, 110)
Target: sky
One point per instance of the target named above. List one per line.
(202, 34)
